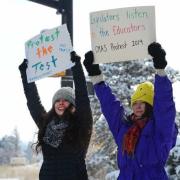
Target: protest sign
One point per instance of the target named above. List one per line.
(122, 34)
(48, 53)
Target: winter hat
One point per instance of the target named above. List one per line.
(144, 92)
(66, 93)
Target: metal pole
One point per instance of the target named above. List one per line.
(67, 18)
(49, 3)
(65, 8)
(67, 15)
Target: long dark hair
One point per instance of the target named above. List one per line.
(68, 115)
(148, 110)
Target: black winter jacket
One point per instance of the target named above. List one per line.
(67, 162)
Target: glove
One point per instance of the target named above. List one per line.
(158, 54)
(92, 69)
(74, 57)
(23, 66)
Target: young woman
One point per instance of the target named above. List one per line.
(145, 137)
(64, 131)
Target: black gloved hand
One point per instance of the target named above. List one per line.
(158, 54)
(74, 57)
(23, 65)
(92, 69)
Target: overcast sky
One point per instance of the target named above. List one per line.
(21, 20)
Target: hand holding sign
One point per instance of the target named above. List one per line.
(74, 57)
(158, 54)
(23, 66)
(48, 53)
(92, 69)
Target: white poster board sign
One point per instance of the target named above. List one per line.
(48, 53)
(122, 34)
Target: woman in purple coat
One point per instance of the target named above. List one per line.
(145, 137)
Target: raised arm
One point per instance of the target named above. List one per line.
(82, 100)
(79, 82)
(30, 90)
(111, 107)
(164, 106)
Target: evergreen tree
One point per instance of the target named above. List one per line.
(16, 142)
(9, 147)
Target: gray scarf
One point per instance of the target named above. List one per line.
(55, 132)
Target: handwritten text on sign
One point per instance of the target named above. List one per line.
(122, 34)
(48, 53)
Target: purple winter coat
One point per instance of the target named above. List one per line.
(156, 139)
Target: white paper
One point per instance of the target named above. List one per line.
(122, 34)
(48, 53)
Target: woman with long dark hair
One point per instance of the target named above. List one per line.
(145, 137)
(65, 131)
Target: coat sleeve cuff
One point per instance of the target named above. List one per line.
(161, 72)
(96, 79)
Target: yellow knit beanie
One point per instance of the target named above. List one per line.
(144, 92)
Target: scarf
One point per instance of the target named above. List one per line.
(131, 137)
(55, 131)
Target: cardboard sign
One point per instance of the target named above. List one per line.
(122, 34)
(48, 53)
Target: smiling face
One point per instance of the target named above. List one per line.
(60, 106)
(139, 108)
